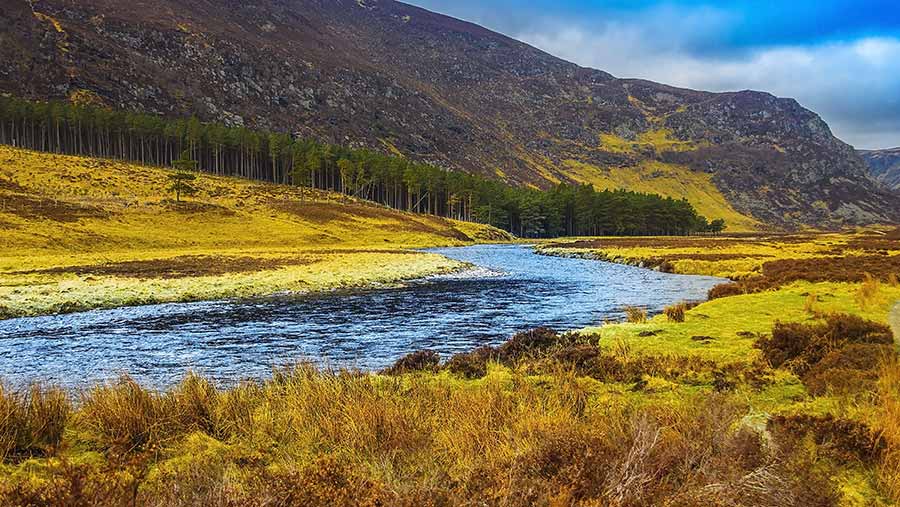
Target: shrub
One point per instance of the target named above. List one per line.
(805, 345)
(851, 369)
(527, 344)
(423, 360)
(675, 313)
(724, 290)
(635, 314)
(841, 355)
(471, 364)
(844, 439)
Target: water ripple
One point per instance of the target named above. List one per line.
(511, 290)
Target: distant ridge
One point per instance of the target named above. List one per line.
(885, 165)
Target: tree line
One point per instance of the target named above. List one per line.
(397, 182)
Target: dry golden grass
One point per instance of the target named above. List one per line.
(868, 291)
(809, 306)
(312, 437)
(544, 418)
(31, 421)
(888, 422)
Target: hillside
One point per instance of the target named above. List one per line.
(885, 165)
(389, 76)
(81, 233)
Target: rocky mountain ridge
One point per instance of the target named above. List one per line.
(400, 79)
(885, 166)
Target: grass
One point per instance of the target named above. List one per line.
(658, 140)
(82, 233)
(742, 256)
(667, 180)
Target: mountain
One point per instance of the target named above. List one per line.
(885, 165)
(400, 79)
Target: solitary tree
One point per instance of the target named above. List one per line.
(183, 179)
(181, 184)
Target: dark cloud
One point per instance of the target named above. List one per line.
(840, 59)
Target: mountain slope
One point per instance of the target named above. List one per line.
(398, 78)
(885, 165)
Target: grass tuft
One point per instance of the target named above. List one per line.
(32, 421)
(675, 313)
(635, 314)
(868, 291)
(123, 417)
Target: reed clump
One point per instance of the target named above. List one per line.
(635, 314)
(868, 291)
(676, 313)
(32, 421)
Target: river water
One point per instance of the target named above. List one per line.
(513, 289)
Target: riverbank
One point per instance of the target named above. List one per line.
(80, 234)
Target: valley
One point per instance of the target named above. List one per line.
(328, 253)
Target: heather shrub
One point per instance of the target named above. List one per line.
(724, 290)
(527, 344)
(844, 439)
(422, 360)
(850, 369)
(798, 346)
(471, 364)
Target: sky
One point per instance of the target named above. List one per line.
(839, 58)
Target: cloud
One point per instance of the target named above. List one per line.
(844, 66)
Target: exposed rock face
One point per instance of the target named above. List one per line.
(884, 165)
(390, 76)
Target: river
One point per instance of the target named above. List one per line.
(513, 289)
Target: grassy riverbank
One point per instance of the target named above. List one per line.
(80, 233)
(777, 393)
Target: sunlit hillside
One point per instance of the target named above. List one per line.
(81, 233)
(667, 180)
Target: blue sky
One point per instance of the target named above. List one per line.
(838, 58)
